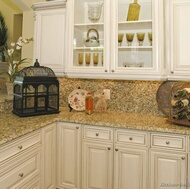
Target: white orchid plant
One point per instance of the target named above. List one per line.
(13, 67)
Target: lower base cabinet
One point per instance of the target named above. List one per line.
(72, 156)
(48, 162)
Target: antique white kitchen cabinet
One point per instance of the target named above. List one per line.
(168, 161)
(131, 159)
(68, 155)
(177, 39)
(114, 158)
(92, 44)
(48, 163)
(97, 158)
(20, 162)
(49, 34)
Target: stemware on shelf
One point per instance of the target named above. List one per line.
(129, 38)
(140, 38)
(120, 38)
(150, 37)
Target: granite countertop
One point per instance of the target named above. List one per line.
(12, 126)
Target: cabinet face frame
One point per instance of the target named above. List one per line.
(176, 38)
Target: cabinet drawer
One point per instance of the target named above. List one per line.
(97, 133)
(20, 168)
(168, 141)
(20, 144)
(131, 137)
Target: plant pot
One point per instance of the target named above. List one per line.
(9, 88)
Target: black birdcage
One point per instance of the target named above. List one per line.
(36, 91)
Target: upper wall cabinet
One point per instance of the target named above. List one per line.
(49, 34)
(105, 41)
(177, 37)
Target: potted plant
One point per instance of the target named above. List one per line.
(3, 36)
(13, 64)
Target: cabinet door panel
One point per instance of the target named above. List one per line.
(168, 170)
(68, 155)
(130, 168)
(49, 43)
(97, 166)
(177, 36)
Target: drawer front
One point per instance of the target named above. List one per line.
(19, 145)
(97, 133)
(20, 168)
(168, 141)
(131, 137)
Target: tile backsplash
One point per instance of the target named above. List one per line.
(126, 96)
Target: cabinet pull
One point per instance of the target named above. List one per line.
(20, 147)
(116, 149)
(109, 148)
(97, 134)
(77, 127)
(130, 138)
(21, 174)
(183, 158)
(167, 142)
(106, 70)
(172, 72)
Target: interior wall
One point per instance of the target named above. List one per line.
(8, 9)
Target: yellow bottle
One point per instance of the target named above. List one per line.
(133, 12)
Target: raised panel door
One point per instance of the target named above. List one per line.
(168, 170)
(177, 38)
(130, 168)
(68, 155)
(97, 163)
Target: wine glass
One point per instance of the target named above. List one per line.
(150, 37)
(129, 37)
(140, 37)
(120, 38)
(94, 11)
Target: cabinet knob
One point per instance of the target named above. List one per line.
(109, 148)
(183, 158)
(130, 138)
(106, 70)
(97, 134)
(20, 147)
(116, 149)
(112, 70)
(21, 174)
(171, 71)
(167, 142)
(77, 127)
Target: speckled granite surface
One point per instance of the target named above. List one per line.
(12, 126)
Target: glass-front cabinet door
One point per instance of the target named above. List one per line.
(138, 39)
(88, 33)
(119, 39)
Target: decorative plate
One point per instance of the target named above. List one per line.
(76, 99)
